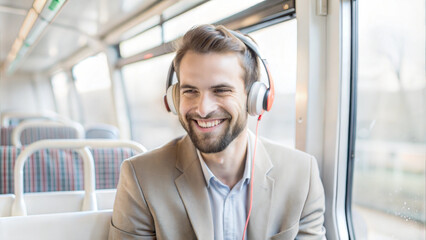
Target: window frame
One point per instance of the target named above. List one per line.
(352, 117)
(323, 101)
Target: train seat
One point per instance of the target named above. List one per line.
(100, 165)
(14, 117)
(56, 202)
(6, 202)
(90, 225)
(61, 169)
(30, 131)
(104, 131)
(6, 136)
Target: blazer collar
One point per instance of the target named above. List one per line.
(262, 192)
(192, 189)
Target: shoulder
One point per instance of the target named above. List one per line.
(289, 163)
(293, 171)
(280, 153)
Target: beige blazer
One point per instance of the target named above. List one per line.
(162, 194)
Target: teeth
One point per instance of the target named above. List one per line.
(208, 124)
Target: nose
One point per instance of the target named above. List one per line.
(206, 104)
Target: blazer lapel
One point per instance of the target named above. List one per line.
(262, 193)
(191, 186)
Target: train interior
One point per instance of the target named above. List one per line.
(82, 85)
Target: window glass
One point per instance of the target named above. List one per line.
(141, 42)
(278, 44)
(61, 90)
(209, 12)
(93, 85)
(389, 169)
(145, 84)
(92, 74)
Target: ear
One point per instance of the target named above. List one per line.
(176, 96)
(256, 98)
(171, 99)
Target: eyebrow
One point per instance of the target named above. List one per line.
(187, 86)
(223, 85)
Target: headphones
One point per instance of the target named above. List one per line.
(260, 97)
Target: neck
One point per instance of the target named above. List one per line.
(228, 165)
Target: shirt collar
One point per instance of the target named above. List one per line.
(208, 174)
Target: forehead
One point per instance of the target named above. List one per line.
(210, 68)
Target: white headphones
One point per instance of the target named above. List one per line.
(260, 97)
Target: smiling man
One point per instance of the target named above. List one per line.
(198, 186)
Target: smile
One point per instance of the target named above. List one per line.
(208, 124)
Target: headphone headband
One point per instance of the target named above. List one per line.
(267, 104)
(170, 76)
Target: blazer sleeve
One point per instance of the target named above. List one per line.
(312, 218)
(131, 218)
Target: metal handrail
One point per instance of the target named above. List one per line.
(17, 131)
(48, 115)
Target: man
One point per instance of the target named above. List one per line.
(198, 186)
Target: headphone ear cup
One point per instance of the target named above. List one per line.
(171, 99)
(256, 98)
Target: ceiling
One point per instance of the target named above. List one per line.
(80, 23)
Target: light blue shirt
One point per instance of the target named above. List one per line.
(229, 206)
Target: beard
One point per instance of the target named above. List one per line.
(213, 142)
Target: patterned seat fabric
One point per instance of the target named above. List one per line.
(33, 134)
(61, 170)
(6, 136)
(107, 165)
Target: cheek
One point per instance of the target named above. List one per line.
(183, 106)
(237, 106)
(242, 101)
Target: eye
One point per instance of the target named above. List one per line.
(189, 91)
(222, 90)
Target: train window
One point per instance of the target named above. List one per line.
(141, 42)
(93, 84)
(278, 44)
(209, 12)
(388, 195)
(92, 73)
(60, 91)
(145, 84)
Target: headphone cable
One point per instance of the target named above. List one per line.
(252, 178)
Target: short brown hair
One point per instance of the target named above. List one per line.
(208, 38)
